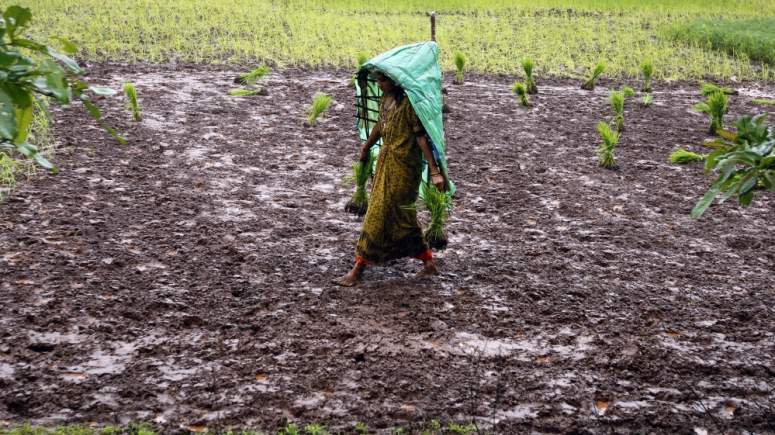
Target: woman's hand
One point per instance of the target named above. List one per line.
(364, 155)
(439, 181)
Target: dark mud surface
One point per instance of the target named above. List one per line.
(183, 279)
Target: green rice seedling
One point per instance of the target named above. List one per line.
(763, 102)
(520, 89)
(605, 152)
(359, 203)
(460, 63)
(596, 72)
(438, 204)
(647, 100)
(682, 157)
(617, 103)
(716, 106)
(252, 77)
(628, 92)
(360, 428)
(647, 70)
(131, 95)
(320, 103)
(243, 92)
(709, 88)
(289, 429)
(314, 429)
(528, 66)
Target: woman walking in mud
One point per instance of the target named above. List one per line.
(391, 230)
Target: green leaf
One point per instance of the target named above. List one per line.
(15, 18)
(94, 111)
(23, 120)
(66, 61)
(56, 84)
(745, 199)
(702, 108)
(749, 183)
(67, 46)
(112, 131)
(102, 90)
(8, 126)
(768, 177)
(706, 200)
(27, 149)
(32, 45)
(45, 163)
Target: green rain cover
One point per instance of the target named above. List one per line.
(415, 68)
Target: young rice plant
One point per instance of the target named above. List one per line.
(252, 77)
(628, 92)
(709, 89)
(617, 103)
(460, 63)
(528, 66)
(131, 95)
(716, 106)
(647, 70)
(589, 85)
(605, 152)
(647, 100)
(520, 89)
(320, 103)
(359, 203)
(682, 157)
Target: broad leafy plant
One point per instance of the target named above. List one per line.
(29, 70)
(744, 162)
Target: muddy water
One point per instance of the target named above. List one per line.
(184, 279)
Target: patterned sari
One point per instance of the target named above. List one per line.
(390, 229)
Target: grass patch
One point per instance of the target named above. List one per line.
(563, 36)
(752, 38)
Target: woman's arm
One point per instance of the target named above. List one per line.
(437, 178)
(373, 138)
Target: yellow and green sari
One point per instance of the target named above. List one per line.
(390, 228)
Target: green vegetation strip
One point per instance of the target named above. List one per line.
(754, 38)
(563, 37)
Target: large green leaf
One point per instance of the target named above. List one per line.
(15, 18)
(67, 46)
(102, 90)
(706, 200)
(23, 120)
(66, 61)
(32, 45)
(8, 127)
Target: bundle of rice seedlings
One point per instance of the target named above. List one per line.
(131, 95)
(460, 63)
(250, 78)
(590, 83)
(617, 103)
(528, 65)
(438, 204)
(605, 152)
(646, 100)
(628, 92)
(359, 203)
(709, 89)
(716, 106)
(320, 103)
(243, 92)
(682, 157)
(647, 69)
(520, 89)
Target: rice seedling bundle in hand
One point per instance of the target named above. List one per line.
(438, 204)
(460, 63)
(605, 152)
(617, 103)
(528, 65)
(320, 103)
(682, 157)
(647, 69)
(359, 203)
(520, 89)
(589, 85)
(131, 94)
(716, 106)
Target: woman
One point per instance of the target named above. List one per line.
(390, 229)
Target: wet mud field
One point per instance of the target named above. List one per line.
(183, 280)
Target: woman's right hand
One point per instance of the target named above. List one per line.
(364, 155)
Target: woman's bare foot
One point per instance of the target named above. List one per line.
(429, 269)
(352, 277)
